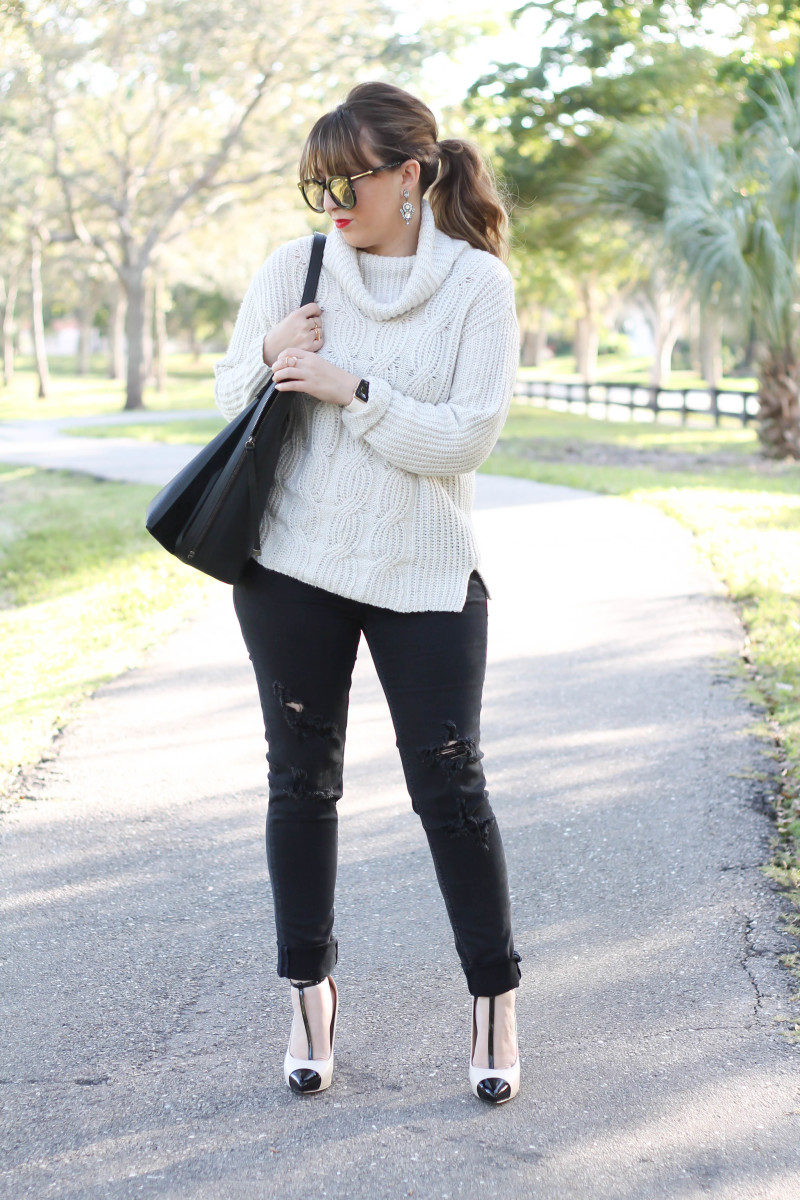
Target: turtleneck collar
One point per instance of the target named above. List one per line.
(436, 252)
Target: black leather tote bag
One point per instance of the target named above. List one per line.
(209, 514)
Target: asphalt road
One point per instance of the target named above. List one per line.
(143, 1025)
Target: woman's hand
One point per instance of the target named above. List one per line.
(300, 328)
(314, 375)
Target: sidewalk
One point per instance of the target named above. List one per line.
(41, 444)
(143, 1024)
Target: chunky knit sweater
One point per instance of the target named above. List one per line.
(373, 501)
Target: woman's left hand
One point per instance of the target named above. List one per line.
(315, 375)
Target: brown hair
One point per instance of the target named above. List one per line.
(462, 190)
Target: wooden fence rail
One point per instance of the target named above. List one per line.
(601, 398)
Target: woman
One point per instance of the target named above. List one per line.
(403, 370)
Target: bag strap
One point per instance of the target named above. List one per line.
(312, 278)
(252, 485)
(309, 292)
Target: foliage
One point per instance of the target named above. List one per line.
(140, 123)
(727, 217)
(85, 591)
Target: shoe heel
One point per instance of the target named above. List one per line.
(494, 1084)
(307, 1076)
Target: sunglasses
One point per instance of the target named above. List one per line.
(340, 187)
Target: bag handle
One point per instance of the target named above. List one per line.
(309, 292)
(312, 278)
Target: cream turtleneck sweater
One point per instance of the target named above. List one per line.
(373, 501)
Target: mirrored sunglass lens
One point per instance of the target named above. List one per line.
(313, 193)
(341, 191)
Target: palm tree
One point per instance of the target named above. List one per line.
(727, 218)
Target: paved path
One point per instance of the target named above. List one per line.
(143, 1026)
(41, 443)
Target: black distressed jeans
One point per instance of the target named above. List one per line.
(302, 641)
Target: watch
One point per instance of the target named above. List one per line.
(362, 391)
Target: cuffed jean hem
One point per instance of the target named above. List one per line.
(308, 962)
(495, 978)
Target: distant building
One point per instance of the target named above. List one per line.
(62, 337)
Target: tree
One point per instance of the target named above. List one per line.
(31, 215)
(598, 66)
(160, 113)
(728, 217)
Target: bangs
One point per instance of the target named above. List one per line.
(332, 148)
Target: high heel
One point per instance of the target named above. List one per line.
(305, 1075)
(493, 1084)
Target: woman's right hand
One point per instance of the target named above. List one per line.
(295, 330)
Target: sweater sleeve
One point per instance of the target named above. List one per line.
(273, 293)
(456, 435)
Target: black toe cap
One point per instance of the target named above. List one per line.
(494, 1090)
(303, 1079)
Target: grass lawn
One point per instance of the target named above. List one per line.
(745, 514)
(195, 431)
(190, 384)
(623, 368)
(85, 590)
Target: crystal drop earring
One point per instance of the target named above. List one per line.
(407, 210)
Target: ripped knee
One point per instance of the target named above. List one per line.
(299, 719)
(301, 789)
(468, 823)
(452, 756)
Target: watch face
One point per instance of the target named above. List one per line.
(362, 391)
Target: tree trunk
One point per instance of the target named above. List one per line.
(8, 330)
(116, 333)
(667, 347)
(749, 353)
(134, 330)
(161, 333)
(666, 335)
(534, 337)
(590, 341)
(711, 346)
(779, 411)
(147, 332)
(540, 337)
(665, 307)
(85, 317)
(587, 335)
(657, 361)
(37, 318)
(525, 347)
(693, 337)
